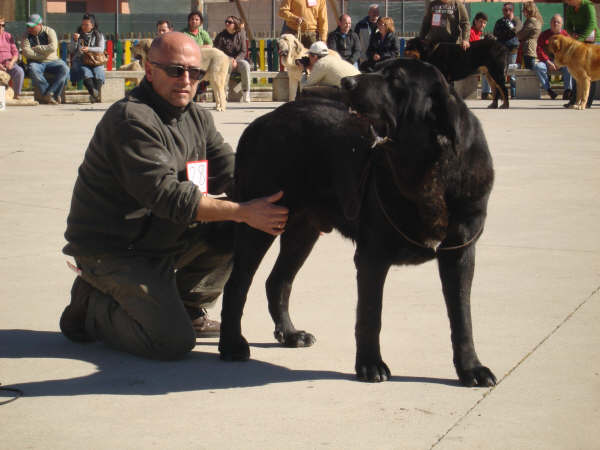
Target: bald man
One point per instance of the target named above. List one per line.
(151, 250)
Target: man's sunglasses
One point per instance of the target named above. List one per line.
(2, 24)
(175, 71)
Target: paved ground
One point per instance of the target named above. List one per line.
(536, 310)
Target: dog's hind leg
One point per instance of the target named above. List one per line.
(496, 80)
(296, 244)
(456, 269)
(250, 248)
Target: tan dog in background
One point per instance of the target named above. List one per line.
(291, 49)
(213, 60)
(582, 60)
(4, 80)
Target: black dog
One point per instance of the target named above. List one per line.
(487, 55)
(407, 176)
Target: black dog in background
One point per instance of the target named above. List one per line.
(487, 55)
(406, 174)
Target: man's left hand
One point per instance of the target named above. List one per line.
(465, 45)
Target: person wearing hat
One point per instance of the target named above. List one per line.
(325, 68)
(40, 48)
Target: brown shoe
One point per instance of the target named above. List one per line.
(205, 327)
(72, 321)
(49, 100)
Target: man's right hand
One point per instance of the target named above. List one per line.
(264, 215)
(551, 65)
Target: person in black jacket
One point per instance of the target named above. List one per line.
(383, 44)
(345, 41)
(152, 251)
(505, 30)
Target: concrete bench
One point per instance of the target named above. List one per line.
(235, 85)
(113, 88)
(527, 83)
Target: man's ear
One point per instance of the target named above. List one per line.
(148, 70)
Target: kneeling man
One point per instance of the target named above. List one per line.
(325, 69)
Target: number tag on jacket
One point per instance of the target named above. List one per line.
(197, 173)
(311, 3)
(436, 20)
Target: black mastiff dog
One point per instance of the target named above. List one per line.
(405, 173)
(487, 55)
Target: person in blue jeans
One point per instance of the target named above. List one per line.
(40, 48)
(505, 30)
(546, 62)
(87, 39)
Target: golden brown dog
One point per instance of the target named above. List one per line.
(582, 60)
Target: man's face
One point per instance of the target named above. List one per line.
(177, 91)
(480, 24)
(556, 25)
(345, 23)
(194, 22)
(163, 28)
(35, 30)
(373, 15)
(507, 11)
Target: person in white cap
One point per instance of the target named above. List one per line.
(325, 68)
(40, 48)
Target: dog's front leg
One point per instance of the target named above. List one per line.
(456, 272)
(370, 273)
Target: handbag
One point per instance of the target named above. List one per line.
(94, 59)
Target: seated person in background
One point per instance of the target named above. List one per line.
(479, 22)
(9, 56)
(365, 28)
(40, 48)
(529, 34)
(195, 31)
(232, 42)
(446, 21)
(324, 69)
(546, 64)
(163, 26)
(383, 44)
(345, 41)
(87, 39)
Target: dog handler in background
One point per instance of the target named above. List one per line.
(446, 21)
(151, 250)
(305, 17)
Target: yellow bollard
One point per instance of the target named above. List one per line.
(261, 56)
(127, 53)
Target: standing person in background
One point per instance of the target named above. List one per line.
(581, 24)
(163, 26)
(345, 41)
(365, 28)
(195, 31)
(9, 55)
(309, 17)
(384, 45)
(87, 39)
(546, 63)
(529, 34)
(232, 42)
(446, 21)
(505, 30)
(40, 48)
(479, 22)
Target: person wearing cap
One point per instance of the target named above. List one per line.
(307, 18)
(152, 251)
(325, 69)
(40, 48)
(8, 59)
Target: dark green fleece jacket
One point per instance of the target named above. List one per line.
(132, 194)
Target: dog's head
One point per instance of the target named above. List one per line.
(557, 44)
(417, 48)
(405, 94)
(140, 49)
(290, 49)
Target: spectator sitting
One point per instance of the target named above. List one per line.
(40, 48)
(307, 18)
(479, 22)
(505, 30)
(345, 41)
(546, 63)
(365, 28)
(195, 31)
(9, 56)
(383, 45)
(163, 26)
(325, 69)
(528, 36)
(87, 39)
(232, 42)
(446, 21)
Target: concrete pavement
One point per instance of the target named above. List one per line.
(535, 301)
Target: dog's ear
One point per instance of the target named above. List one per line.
(445, 112)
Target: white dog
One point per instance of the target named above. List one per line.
(291, 49)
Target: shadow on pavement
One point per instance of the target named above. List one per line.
(122, 374)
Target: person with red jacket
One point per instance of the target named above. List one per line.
(545, 62)
(479, 22)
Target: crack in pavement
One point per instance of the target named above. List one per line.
(32, 205)
(515, 367)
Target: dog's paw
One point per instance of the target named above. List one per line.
(479, 376)
(231, 350)
(374, 372)
(298, 338)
